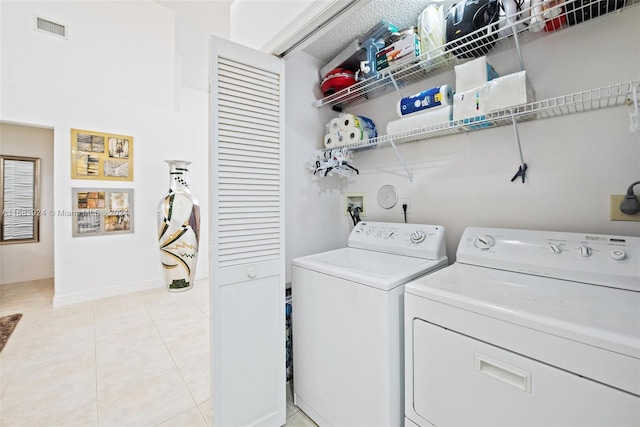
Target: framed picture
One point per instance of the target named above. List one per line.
(103, 156)
(102, 211)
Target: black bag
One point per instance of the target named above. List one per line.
(583, 10)
(463, 19)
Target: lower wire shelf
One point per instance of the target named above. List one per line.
(619, 94)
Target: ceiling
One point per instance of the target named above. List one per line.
(213, 17)
(210, 16)
(402, 14)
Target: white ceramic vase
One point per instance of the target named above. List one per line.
(179, 229)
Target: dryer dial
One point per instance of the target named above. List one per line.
(618, 254)
(417, 236)
(484, 242)
(584, 251)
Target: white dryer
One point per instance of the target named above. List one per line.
(348, 322)
(527, 328)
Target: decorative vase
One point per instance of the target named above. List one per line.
(179, 229)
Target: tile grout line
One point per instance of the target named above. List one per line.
(174, 363)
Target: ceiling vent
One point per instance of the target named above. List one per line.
(50, 27)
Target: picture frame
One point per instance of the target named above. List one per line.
(101, 211)
(101, 156)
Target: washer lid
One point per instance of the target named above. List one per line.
(604, 317)
(381, 270)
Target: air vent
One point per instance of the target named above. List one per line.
(51, 27)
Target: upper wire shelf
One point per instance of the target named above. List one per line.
(609, 96)
(487, 40)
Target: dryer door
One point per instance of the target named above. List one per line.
(458, 380)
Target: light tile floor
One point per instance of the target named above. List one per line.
(140, 359)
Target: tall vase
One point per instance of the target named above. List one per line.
(179, 229)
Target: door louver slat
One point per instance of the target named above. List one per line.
(235, 199)
(235, 207)
(242, 245)
(249, 238)
(251, 149)
(244, 98)
(232, 90)
(252, 114)
(223, 127)
(251, 165)
(249, 116)
(235, 70)
(247, 139)
(252, 71)
(265, 249)
(256, 256)
(229, 173)
(265, 159)
(247, 125)
(249, 102)
(230, 235)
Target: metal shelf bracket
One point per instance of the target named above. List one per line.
(522, 169)
(395, 85)
(404, 164)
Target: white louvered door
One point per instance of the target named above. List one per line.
(246, 274)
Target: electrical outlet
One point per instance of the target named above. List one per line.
(406, 201)
(354, 200)
(615, 214)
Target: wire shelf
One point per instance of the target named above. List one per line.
(490, 39)
(609, 96)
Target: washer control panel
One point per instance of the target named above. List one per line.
(417, 240)
(590, 258)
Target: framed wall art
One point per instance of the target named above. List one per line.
(102, 211)
(102, 156)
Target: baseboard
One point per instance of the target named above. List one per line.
(27, 277)
(62, 300)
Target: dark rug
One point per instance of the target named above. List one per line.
(7, 325)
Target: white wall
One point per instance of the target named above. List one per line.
(312, 212)
(116, 73)
(575, 162)
(30, 261)
(256, 22)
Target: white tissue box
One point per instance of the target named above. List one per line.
(507, 91)
(470, 107)
(473, 74)
(469, 103)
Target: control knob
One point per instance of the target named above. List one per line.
(484, 242)
(618, 254)
(555, 249)
(417, 236)
(584, 251)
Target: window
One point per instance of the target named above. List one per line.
(19, 199)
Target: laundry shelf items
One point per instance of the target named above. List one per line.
(619, 94)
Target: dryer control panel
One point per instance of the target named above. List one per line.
(590, 258)
(416, 240)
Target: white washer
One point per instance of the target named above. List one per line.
(526, 328)
(348, 322)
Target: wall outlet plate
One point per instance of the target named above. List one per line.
(615, 214)
(355, 200)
